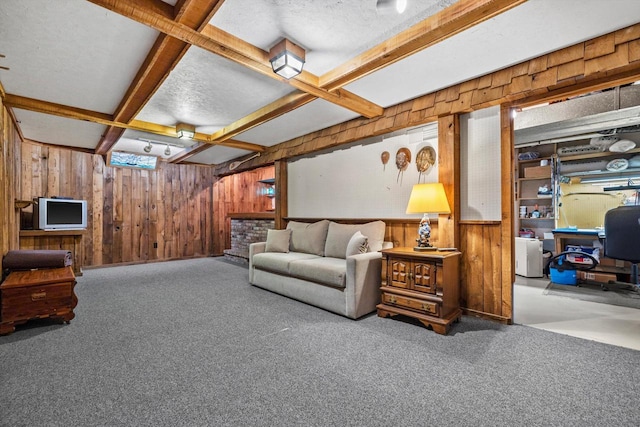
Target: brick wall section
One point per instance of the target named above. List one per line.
(606, 60)
(243, 233)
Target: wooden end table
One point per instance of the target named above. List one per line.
(422, 285)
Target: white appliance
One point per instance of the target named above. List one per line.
(528, 257)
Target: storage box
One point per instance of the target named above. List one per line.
(596, 276)
(577, 259)
(537, 172)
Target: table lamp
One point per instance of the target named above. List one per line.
(427, 198)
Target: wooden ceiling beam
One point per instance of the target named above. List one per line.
(275, 109)
(45, 107)
(235, 50)
(161, 59)
(456, 18)
(446, 23)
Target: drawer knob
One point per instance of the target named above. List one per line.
(392, 299)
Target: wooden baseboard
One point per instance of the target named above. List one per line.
(488, 316)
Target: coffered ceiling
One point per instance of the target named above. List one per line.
(99, 75)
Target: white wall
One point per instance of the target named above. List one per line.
(480, 165)
(353, 183)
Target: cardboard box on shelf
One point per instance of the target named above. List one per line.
(537, 172)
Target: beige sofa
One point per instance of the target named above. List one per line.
(333, 266)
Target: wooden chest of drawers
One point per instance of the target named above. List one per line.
(37, 294)
(422, 285)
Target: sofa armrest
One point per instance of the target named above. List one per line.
(363, 283)
(254, 249)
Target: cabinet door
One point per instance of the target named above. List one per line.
(424, 277)
(399, 273)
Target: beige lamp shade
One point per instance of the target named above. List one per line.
(428, 198)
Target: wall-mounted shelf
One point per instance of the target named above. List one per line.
(596, 155)
(604, 173)
(531, 175)
(21, 204)
(270, 191)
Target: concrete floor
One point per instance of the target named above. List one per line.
(605, 323)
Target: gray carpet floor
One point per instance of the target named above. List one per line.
(190, 343)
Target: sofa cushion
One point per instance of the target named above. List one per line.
(278, 262)
(308, 238)
(338, 237)
(358, 244)
(325, 270)
(278, 240)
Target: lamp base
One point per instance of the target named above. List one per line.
(424, 248)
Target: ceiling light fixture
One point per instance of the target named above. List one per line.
(287, 59)
(147, 148)
(185, 131)
(167, 151)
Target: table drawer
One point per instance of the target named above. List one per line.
(35, 301)
(429, 307)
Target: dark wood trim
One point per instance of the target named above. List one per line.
(251, 215)
(507, 250)
(479, 222)
(362, 220)
(45, 233)
(282, 193)
(488, 316)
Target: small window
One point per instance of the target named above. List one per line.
(131, 160)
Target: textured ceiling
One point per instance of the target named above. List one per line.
(75, 53)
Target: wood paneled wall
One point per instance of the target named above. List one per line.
(239, 193)
(134, 215)
(481, 277)
(9, 180)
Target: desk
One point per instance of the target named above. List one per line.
(561, 235)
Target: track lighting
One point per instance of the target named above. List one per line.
(387, 6)
(147, 148)
(167, 151)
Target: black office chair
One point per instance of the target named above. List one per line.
(622, 238)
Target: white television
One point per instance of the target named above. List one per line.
(60, 214)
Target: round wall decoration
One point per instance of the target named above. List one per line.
(403, 158)
(425, 159)
(385, 158)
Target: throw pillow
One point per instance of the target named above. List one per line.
(358, 244)
(339, 235)
(308, 238)
(278, 240)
